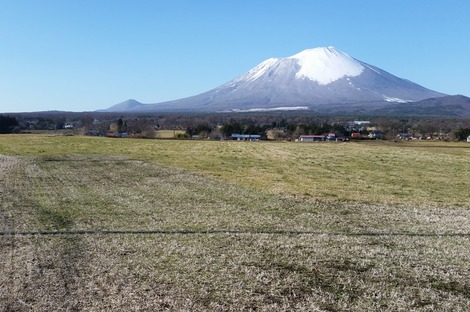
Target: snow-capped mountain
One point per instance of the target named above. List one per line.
(312, 79)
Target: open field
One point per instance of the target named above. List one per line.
(418, 173)
(122, 224)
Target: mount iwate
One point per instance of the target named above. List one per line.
(320, 79)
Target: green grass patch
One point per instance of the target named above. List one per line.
(54, 220)
(418, 173)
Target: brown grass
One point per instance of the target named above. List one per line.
(235, 272)
(248, 245)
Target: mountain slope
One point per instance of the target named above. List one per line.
(312, 79)
(449, 106)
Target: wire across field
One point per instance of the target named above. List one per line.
(98, 231)
(223, 232)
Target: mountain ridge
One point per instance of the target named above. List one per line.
(313, 78)
(448, 106)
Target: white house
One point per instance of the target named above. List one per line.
(312, 138)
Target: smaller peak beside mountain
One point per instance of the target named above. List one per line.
(126, 106)
(130, 102)
(326, 64)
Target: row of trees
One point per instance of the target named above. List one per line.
(286, 125)
(462, 134)
(291, 131)
(275, 131)
(8, 124)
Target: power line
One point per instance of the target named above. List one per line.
(227, 232)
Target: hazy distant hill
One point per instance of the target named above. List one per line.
(126, 106)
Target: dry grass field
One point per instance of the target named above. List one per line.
(169, 134)
(120, 224)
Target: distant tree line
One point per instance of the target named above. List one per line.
(8, 124)
(284, 125)
(240, 128)
(200, 129)
(289, 130)
(462, 134)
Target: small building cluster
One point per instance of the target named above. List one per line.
(245, 137)
(321, 138)
(333, 137)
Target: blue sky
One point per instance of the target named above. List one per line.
(91, 54)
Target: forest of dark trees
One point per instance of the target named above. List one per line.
(8, 124)
(285, 126)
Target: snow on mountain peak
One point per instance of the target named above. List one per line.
(259, 70)
(326, 64)
(323, 79)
